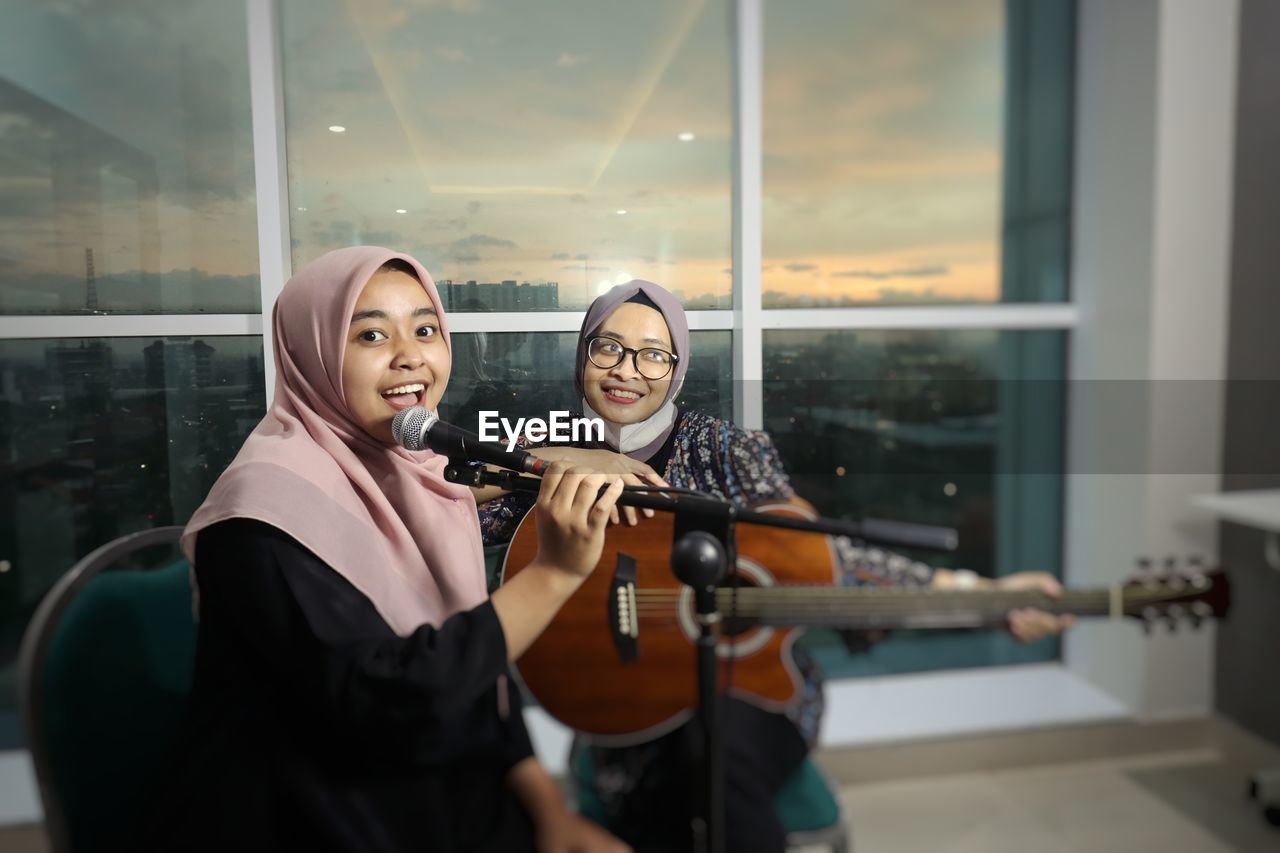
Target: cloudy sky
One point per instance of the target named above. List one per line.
(511, 135)
(125, 127)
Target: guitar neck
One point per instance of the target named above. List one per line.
(894, 607)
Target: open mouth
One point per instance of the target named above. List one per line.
(404, 396)
(622, 396)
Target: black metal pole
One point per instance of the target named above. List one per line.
(699, 558)
(870, 531)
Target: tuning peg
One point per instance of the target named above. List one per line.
(1173, 626)
(1196, 622)
(1143, 564)
(1195, 561)
(1175, 612)
(1146, 628)
(1170, 563)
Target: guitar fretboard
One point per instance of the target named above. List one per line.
(897, 607)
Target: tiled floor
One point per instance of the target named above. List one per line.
(23, 839)
(1190, 802)
(1180, 803)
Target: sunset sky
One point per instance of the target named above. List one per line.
(512, 134)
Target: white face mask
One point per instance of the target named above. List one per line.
(628, 438)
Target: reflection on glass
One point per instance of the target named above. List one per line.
(530, 374)
(529, 154)
(102, 437)
(916, 152)
(126, 160)
(962, 429)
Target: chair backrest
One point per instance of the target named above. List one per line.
(106, 668)
(493, 557)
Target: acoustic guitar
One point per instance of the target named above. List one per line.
(617, 663)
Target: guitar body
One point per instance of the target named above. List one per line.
(618, 662)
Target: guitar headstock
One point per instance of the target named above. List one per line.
(1176, 591)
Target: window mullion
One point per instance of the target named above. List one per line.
(271, 174)
(748, 337)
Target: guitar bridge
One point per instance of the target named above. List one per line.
(623, 622)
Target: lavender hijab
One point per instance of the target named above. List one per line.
(381, 516)
(642, 440)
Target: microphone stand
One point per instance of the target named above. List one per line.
(702, 551)
(872, 531)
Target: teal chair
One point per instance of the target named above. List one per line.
(493, 556)
(105, 669)
(809, 809)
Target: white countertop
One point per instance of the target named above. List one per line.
(1255, 507)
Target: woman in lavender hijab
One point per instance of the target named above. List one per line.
(632, 358)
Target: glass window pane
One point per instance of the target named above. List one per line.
(962, 429)
(105, 436)
(567, 146)
(916, 152)
(530, 374)
(126, 159)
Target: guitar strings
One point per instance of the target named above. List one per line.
(783, 601)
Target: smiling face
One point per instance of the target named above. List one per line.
(620, 394)
(395, 356)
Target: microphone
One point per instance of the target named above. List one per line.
(417, 428)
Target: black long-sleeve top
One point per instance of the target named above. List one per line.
(314, 726)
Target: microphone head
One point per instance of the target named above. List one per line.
(409, 428)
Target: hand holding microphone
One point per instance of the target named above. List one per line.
(417, 428)
(571, 503)
(573, 512)
(574, 505)
(572, 517)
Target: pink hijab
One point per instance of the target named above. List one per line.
(381, 516)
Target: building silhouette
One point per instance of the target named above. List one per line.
(507, 295)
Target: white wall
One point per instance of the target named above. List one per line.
(1155, 131)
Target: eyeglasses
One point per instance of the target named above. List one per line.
(650, 362)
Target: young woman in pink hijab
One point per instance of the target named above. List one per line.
(350, 686)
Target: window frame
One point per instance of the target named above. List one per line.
(747, 320)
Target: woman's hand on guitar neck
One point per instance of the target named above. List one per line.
(572, 515)
(633, 473)
(1026, 624)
